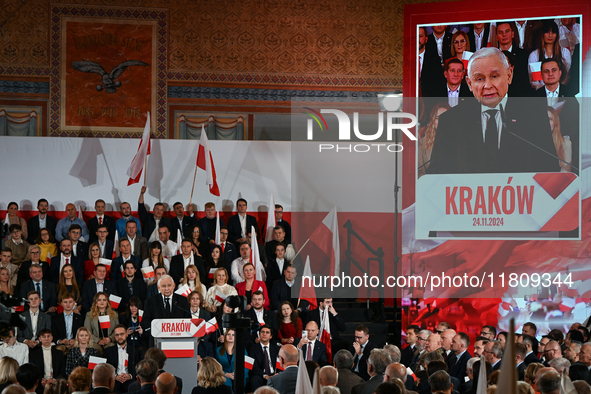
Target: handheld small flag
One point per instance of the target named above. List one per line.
(105, 322)
(115, 301)
(93, 361)
(184, 290)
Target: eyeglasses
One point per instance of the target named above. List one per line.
(459, 42)
(485, 333)
(421, 339)
(35, 252)
(438, 331)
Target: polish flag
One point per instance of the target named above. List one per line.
(93, 361)
(271, 223)
(179, 239)
(115, 301)
(116, 251)
(248, 362)
(466, 58)
(211, 325)
(20, 308)
(106, 262)
(307, 292)
(325, 334)
(218, 236)
(255, 256)
(137, 164)
(278, 366)
(80, 214)
(211, 272)
(303, 384)
(201, 325)
(205, 162)
(140, 315)
(220, 297)
(184, 290)
(105, 321)
(6, 221)
(492, 35)
(178, 349)
(536, 71)
(49, 256)
(326, 236)
(148, 272)
(126, 359)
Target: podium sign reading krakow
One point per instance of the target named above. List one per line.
(178, 339)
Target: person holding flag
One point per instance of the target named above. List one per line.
(225, 356)
(101, 333)
(151, 221)
(79, 355)
(336, 323)
(220, 286)
(208, 224)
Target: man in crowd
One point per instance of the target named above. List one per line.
(153, 288)
(45, 288)
(103, 379)
(18, 246)
(280, 222)
(377, 362)
(50, 360)
(238, 264)
(229, 251)
(96, 285)
(343, 362)
(479, 346)
(335, 321)
(147, 372)
(520, 85)
(65, 257)
(23, 271)
(285, 382)
(275, 266)
(121, 224)
(64, 325)
(459, 345)
(179, 263)
(139, 244)
(208, 224)
(411, 340)
(13, 269)
(493, 353)
(12, 348)
(131, 285)
(169, 247)
(278, 238)
(79, 248)
(63, 225)
(361, 350)
(313, 349)
(35, 321)
(152, 221)
(181, 222)
(123, 358)
(282, 288)
(101, 219)
(239, 225)
(118, 263)
(106, 245)
(265, 353)
(40, 221)
(259, 314)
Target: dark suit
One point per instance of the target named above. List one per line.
(76, 263)
(133, 357)
(287, 227)
(531, 36)
(497, 366)
(89, 291)
(140, 247)
(144, 389)
(441, 91)
(459, 146)
(80, 250)
(48, 293)
(521, 371)
(459, 368)
(207, 231)
(100, 390)
(432, 70)
(282, 292)
(117, 268)
(285, 382)
(472, 37)
(531, 358)
(33, 227)
(268, 317)
(188, 223)
(152, 290)
(139, 290)
(230, 252)
(318, 352)
(361, 362)
(148, 221)
(273, 273)
(368, 387)
(43, 321)
(177, 267)
(235, 230)
(407, 355)
(347, 380)
(58, 326)
(520, 86)
(93, 224)
(205, 349)
(108, 250)
(23, 272)
(154, 309)
(179, 384)
(58, 361)
(257, 373)
(337, 324)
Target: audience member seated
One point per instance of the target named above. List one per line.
(197, 306)
(8, 368)
(156, 259)
(284, 224)
(125, 256)
(131, 319)
(96, 285)
(215, 261)
(335, 321)
(208, 224)
(94, 255)
(275, 265)
(40, 221)
(211, 378)
(35, 258)
(101, 220)
(106, 245)
(160, 358)
(220, 286)
(199, 247)
(139, 244)
(63, 225)
(45, 288)
(193, 280)
(251, 284)
(46, 242)
(68, 285)
(27, 375)
(259, 314)
(282, 289)
(285, 382)
(121, 224)
(130, 286)
(548, 46)
(79, 247)
(35, 321)
(79, 354)
(179, 263)
(124, 358)
(50, 360)
(169, 247)
(459, 346)
(240, 225)
(151, 221)
(278, 238)
(313, 349)
(80, 380)
(65, 258)
(13, 218)
(229, 251)
(225, 356)
(289, 324)
(264, 352)
(103, 379)
(13, 269)
(238, 264)
(343, 362)
(5, 282)
(377, 362)
(147, 373)
(65, 325)
(101, 306)
(361, 349)
(460, 47)
(12, 348)
(17, 244)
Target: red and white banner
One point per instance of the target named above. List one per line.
(178, 349)
(179, 241)
(326, 236)
(115, 301)
(205, 162)
(307, 291)
(255, 256)
(49, 256)
(148, 272)
(184, 290)
(325, 334)
(104, 321)
(94, 361)
(536, 71)
(497, 202)
(278, 366)
(116, 251)
(248, 362)
(106, 262)
(137, 164)
(178, 328)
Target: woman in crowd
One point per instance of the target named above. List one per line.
(564, 146)
(549, 47)
(211, 378)
(13, 218)
(80, 380)
(5, 282)
(68, 285)
(94, 257)
(59, 386)
(428, 139)
(221, 285)
(216, 261)
(80, 353)
(199, 248)
(46, 242)
(225, 355)
(131, 319)
(502, 337)
(251, 285)
(8, 367)
(101, 307)
(460, 44)
(155, 259)
(193, 280)
(197, 306)
(289, 323)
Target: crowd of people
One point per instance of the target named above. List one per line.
(541, 60)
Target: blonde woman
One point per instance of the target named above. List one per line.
(564, 146)
(428, 139)
(210, 378)
(220, 284)
(80, 353)
(8, 367)
(101, 307)
(5, 282)
(193, 280)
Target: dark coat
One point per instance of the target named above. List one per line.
(58, 361)
(89, 291)
(93, 224)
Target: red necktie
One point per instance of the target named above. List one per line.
(223, 247)
(67, 261)
(100, 220)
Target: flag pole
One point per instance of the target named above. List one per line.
(145, 168)
(296, 255)
(193, 187)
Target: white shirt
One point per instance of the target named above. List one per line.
(47, 363)
(310, 345)
(19, 351)
(521, 31)
(552, 96)
(259, 315)
(478, 40)
(169, 249)
(498, 119)
(421, 58)
(271, 364)
(188, 261)
(242, 224)
(237, 273)
(453, 96)
(34, 319)
(131, 241)
(439, 42)
(154, 235)
(100, 286)
(122, 356)
(280, 264)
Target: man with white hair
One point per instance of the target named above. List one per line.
(493, 133)
(166, 304)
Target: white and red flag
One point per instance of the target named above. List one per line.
(326, 236)
(104, 321)
(178, 349)
(271, 222)
(211, 325)
(93, 361)
(205, 162)
(278, 366)
(179, 241)
(218, 236)
(248, 362)
(115, 301)
(106, 262)
(139, 160)
(140, 315)
(325, 334)
(307, 291)
(184, 290)
(255, 256)
(220, 297)
(148, 272)
(536, 71)
(211, 272)
(116, 251)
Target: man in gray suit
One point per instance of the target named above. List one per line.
(343, 362)
(139, 244)
(29, 335)
(285, 382)
(377, 362)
